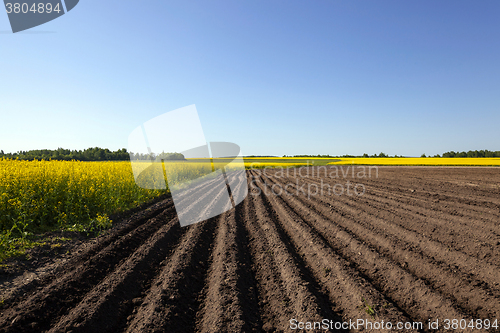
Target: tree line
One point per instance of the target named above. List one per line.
(89, 154)
(470, 153)
(345, 156)
(473, 153)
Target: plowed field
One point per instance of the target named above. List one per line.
(421, 243)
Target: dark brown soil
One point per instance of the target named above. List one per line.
(421, 244)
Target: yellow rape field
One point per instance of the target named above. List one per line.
(272, 164)
(430, 161)
(37, 196)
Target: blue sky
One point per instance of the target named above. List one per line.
(275, 77)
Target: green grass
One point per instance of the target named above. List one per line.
(15, 247)
(17, 240)
(369, 309)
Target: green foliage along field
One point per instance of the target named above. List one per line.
(39, 196)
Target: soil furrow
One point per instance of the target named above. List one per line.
(468, 294)
(444, 228)
(43, 307)
(418, 299)
(435, 201)
(271, 291)
(480, 241)
(471, 265)
(303, 298)
(443, 189)
(224, 307)
(346, 286)
(173, 297)
(107, 304)
(179, 288)
(87, 250)
(439, 203)
(428, 201)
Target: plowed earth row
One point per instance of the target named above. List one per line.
(414, 244)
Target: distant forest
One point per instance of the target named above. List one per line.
(470, 153)
(89, 154)
(473, 153)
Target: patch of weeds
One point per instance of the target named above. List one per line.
(270, 252)
(57, 239)
(369, 309)
(14, 241)
(327, 270)
(285, 302)
(13, 247)
(2, 303)
(94, 227)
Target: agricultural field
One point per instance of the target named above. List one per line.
(340, 242)
(40, 196)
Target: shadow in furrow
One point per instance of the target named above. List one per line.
(247, 281)
(325, 305)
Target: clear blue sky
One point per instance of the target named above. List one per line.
(275, 77)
